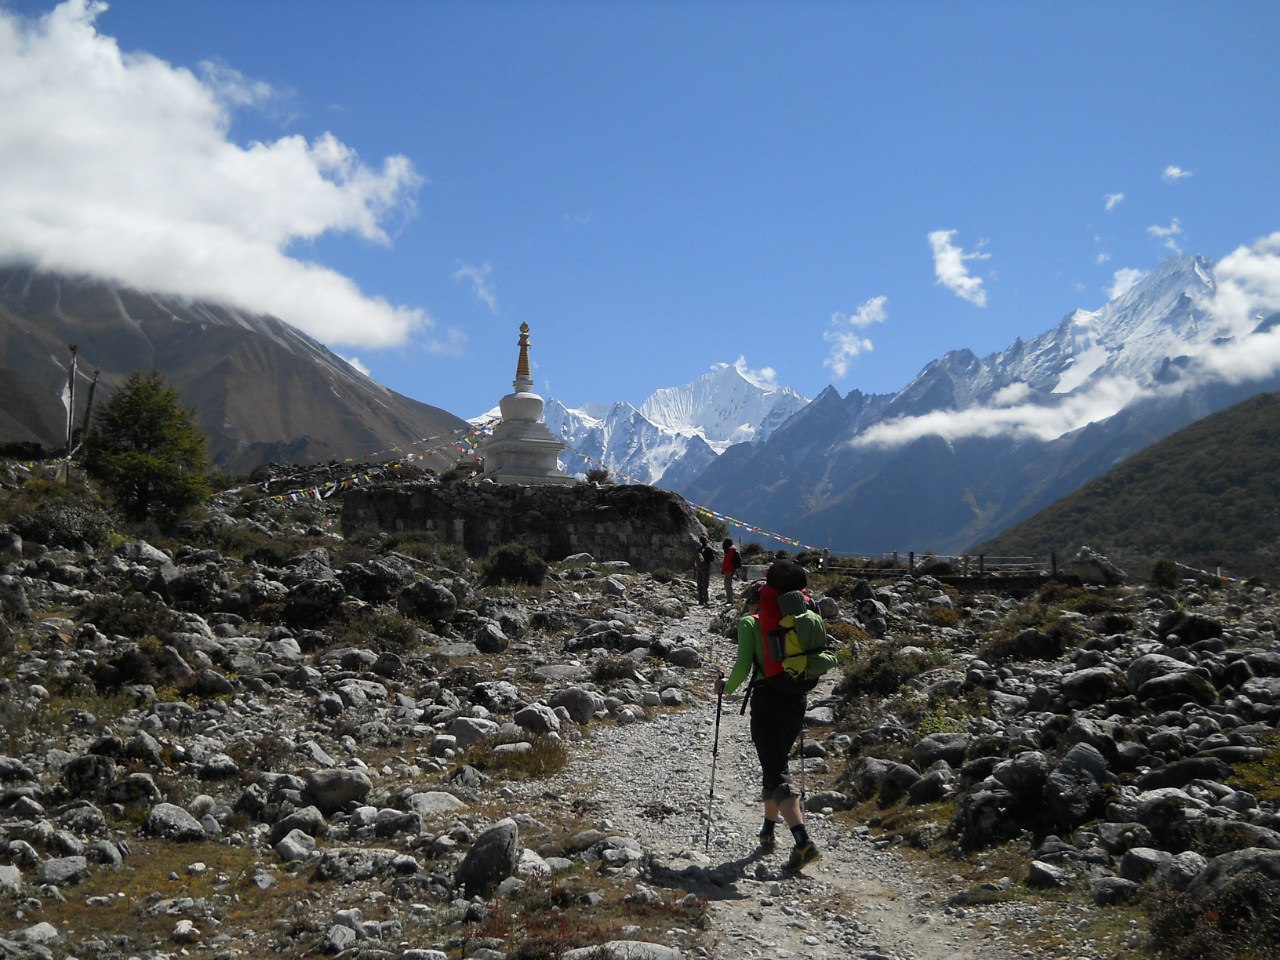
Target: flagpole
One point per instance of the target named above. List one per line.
(71, 405)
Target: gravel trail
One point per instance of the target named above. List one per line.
(653, 779)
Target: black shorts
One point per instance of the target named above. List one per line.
(776, 720)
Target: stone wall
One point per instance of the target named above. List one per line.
(651, 529)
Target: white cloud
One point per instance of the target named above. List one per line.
(1247, 290)
(949, 266)
(1023, 420)
(1013, 393)
(1114, 200)
(764, 377)
(843, 334)
(1248, 286)
(1172, 174)
(1124, 280)
(479, 277)
(119, 165)
(1168, 235)
(1102, 258)
(355, 362)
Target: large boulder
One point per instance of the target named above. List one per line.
(491, 859)
(174, 823)
(428, 600)
(332, 790)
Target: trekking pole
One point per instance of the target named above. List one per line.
(715, 752)
(803, 784)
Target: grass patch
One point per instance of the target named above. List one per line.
(550, 916)
(543, 758)
(1260, 777)
(119, 906)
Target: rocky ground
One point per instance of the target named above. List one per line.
(266, 741)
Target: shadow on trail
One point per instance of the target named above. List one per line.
(716, 882)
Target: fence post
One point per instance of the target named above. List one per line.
(982, 565)
(1053, 564)
(911, 563)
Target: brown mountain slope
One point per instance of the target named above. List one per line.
(1208, 496)
(262, 390)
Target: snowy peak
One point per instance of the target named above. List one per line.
(725, 406)
(730, 404)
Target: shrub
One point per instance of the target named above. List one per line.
(717, 530)
(66, 521)
(378, 630)
(599, 475)
(939, 616)
(460, 472)
(883, 669)
(1242, 922)
(132, 615)
(1029, 644)
(610, 670)
(1165, 575)
(514, 562)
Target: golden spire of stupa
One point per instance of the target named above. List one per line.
(522, 365)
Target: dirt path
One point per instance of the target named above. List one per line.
(859, 900)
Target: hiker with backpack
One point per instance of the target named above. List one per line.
(702, 560)
(777, 696)
(729, 568)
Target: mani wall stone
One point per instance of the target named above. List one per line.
(649, 528)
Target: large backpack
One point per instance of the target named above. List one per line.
(796, 651)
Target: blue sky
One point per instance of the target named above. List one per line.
(828, 192)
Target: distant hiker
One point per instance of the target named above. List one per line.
(732, 563)
(702, 560)
(777, 712)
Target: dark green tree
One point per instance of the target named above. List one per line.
(146, 451)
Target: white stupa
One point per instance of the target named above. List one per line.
(522, 449)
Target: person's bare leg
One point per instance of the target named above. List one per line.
(790, 811)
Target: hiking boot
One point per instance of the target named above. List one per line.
(767, 841)
(803, 855)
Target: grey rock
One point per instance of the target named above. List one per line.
(538, 717)
(307, 819)
(332, 790)
(428, 600)
(582, 704)
(63, 871)
(10, 879)
(1250, 868)
(491, 859)
(174, 823)
(295, 845)
(626, 950)
(1043, 874)
(468, 731)
(1110, 891)
(434, 803)
(1024, 775)
(940, 746)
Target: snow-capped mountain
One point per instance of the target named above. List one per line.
(973, 444)
(725, 406)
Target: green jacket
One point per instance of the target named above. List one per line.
(750, 651)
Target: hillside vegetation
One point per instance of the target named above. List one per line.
(1208, 495)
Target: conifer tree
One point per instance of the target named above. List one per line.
(146, 451)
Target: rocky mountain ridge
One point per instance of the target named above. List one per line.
(262, 391)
